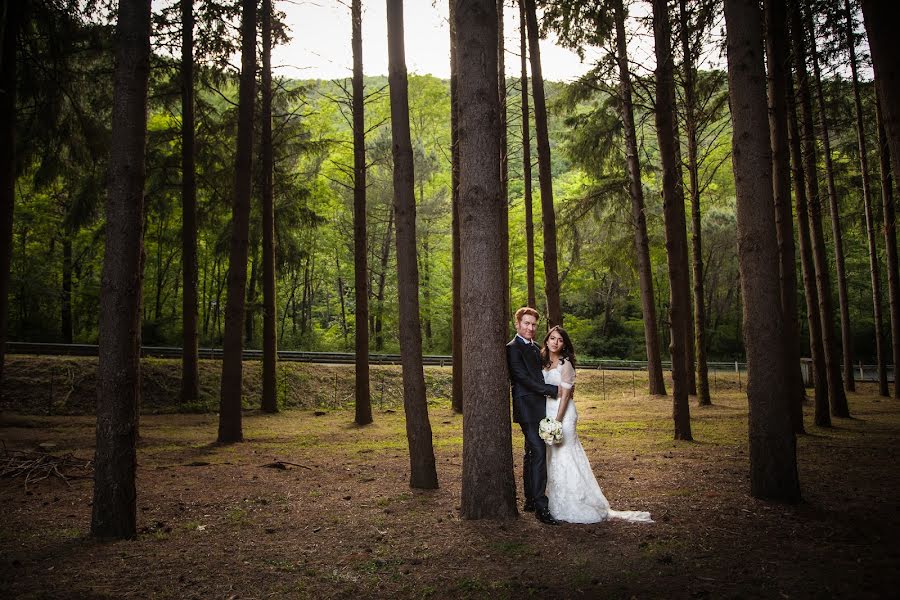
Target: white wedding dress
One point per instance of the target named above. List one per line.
(573, 491)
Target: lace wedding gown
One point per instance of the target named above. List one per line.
(573, 491)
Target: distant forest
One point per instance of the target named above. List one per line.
(63, 136)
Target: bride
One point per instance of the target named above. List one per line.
(573, 491)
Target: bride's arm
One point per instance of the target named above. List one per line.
(566, 388)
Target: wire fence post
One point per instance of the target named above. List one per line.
(603, 380)
(738, 371)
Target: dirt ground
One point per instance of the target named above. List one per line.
(342, 522)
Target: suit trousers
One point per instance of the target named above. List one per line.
(534, 466)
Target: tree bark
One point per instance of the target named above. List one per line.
(230, 429)
(526, 159)
(382, 280)
(890, 243)
(673, 213)
(884, 46)
(7, 162)
(422, 474)
(836, 228)
(456, 310)
(114, 510)
(363, 414)
(867, 203)
(426, 291)
(545, 174)
(504, 154)
(251, 305)
(488, 484)
(636, 191)
(777, 52)
(773, 446)
(836, 396)
(190, 355)
(270, 343)
(814, 323)
(690, 127)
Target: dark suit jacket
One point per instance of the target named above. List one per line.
(527, 379)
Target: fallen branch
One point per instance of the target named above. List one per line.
(37, 466)
(283, 465)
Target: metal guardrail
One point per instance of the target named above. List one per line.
(863, 372)
(337, 358)
(345, 358)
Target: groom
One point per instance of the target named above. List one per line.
(523, 357)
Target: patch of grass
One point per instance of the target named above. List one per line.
(449, 442)
(282, 564)
(582, 577)
(192, 525)
(386, 501)
(379, 566)
(661, 551)
(238, 516)
(66, 533)
(470, 586)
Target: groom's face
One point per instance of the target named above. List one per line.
(526, 326)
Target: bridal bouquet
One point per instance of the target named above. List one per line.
(550, 431)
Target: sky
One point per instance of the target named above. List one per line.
(320, 44)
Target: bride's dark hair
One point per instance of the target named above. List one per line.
(567, 352)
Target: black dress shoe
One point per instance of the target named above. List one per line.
(545, 517)
(529, 506)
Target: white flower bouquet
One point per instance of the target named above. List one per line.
(550, 431)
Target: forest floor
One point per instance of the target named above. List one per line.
(340, 521)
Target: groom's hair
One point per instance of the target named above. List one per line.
(527, 310)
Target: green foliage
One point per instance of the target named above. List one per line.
(64, 138)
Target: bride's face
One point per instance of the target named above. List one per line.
(555, 343)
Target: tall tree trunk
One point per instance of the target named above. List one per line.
(639, 219)
(504, 154)
(66, 288)
(836, 229)
(545, 175)
(190, 354)
(673, 213)
(814, 323)
(776, 49)
(488, 485)
(7, 161)
(867, 202)
(690, 127)
(382, 280)
(363, 414)
(270, 343)
(160, 272)
(250, 309)
(230, 429)
(426, 291)
(890, 243)
(456, 310)
(884, 46)
(526, 159)
(836, 396)
(418, 429)
(340, 285)
(203, 298)
(773, 447)
(114, 509)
